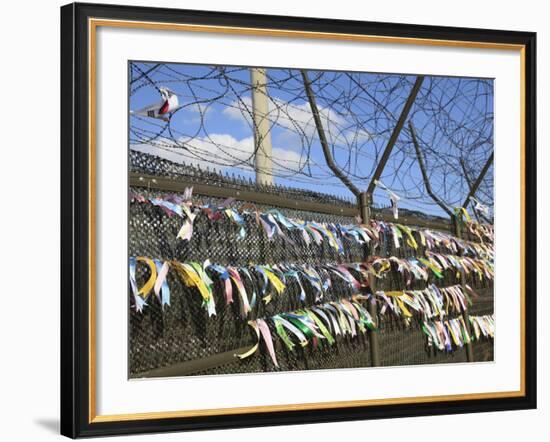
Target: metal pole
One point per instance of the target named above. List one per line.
(364, 198)
(195, 365)
(323, 139)
(364, 204)
(395, 134)
(479, 216)
(479, 179)
(465, 316)
(469, 182)
(363, 201)
(425, 174)
(262, 137)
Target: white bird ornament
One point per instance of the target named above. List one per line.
(163, 109)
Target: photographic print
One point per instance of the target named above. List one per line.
(298, 214)
(292, 219)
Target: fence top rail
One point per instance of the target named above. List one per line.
(168, 184)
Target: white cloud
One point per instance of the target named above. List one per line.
(238, 110)
(296, 119)
(196, 112)
(224, 151)
(220, 151)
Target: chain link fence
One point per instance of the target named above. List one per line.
(183, 333)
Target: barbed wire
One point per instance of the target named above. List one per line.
(453, 120)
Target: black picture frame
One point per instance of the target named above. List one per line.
(76, 419)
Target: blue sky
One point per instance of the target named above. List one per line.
(213, 127)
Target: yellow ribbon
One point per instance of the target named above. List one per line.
(453, 334)
(254, 348)
(410, 238)
(148, 286)
(331, 239)
(277, 283)
(192, 279)
(464, 212)
(422, 238)
(404, 309)
(394, 293)
(384, 266)
(431, 265)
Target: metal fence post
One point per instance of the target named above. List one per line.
(465, 316)
(364, 206)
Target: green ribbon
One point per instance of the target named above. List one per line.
(303, 328)
(431, 267)
(283, 335)
(465, 336)
(363, 318)
(322, 327)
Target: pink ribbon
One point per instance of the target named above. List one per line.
(161, 277)
(266, 334)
